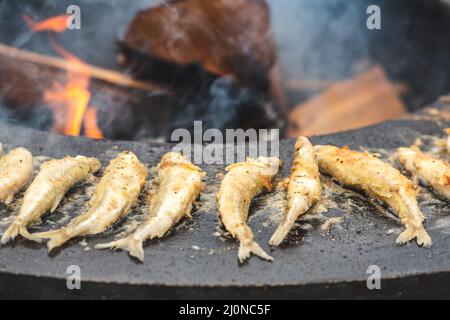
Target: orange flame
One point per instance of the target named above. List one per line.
(91, 128)
(70, 101)
(55, 24)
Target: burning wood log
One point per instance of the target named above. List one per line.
(218, 56)
(112, 77)
(124, 107)
(224, 37)
(226, 81)
(365, 100)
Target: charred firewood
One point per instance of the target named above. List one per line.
(123, 112)
(223, 104)
(224, 37)
(220, 102)
(176, 76)
(216, 56)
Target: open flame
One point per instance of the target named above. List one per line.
(69, 101)
(55, 24)
(91, 128)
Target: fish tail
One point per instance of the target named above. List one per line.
(17, 229)
(24, 233)
(133, 246)
(57, 238)
(420, 234)
(11, 233)
(248, 247)
(298, 207)
(281, 233)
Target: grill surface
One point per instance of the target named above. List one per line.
(193, 263)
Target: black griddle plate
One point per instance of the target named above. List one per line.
(193, 263)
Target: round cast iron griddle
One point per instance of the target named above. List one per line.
(191, 262)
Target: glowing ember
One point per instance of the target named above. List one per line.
(55, 24)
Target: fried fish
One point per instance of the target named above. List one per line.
(379, 180)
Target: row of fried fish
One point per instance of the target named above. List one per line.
(114, 196)
(180, 183)
(359, 170)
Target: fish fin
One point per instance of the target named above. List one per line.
(285, 183)
(57, 238)
(189, 212)
(56, 204)
(11, 233)
(133, 246)
(267, 181)
(420, 234)
(248, 247)
(9, 199)
(16, 229)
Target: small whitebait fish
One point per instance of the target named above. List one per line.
(180, 183)
(239, 186)
(379, 180)
(114, 196)
(16, 171)
(433, 172)
(304, 188)
(55, 178)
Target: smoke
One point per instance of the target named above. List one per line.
(319, 39)
(36, 117)
(323, 41)
(222, 104)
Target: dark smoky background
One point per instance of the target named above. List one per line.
(318, 41)
(328, 40)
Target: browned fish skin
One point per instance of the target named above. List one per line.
(180, 183)
(379, 180)
(114, 196)
(16, 171)
(239, 186)
(434, 172)
(55, 178)
(304, 189)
